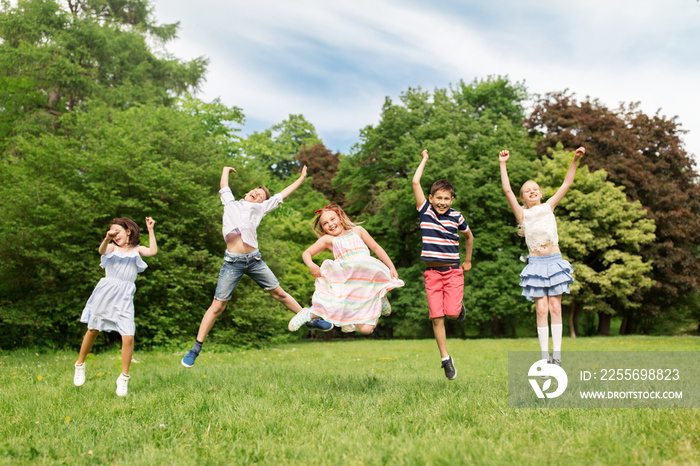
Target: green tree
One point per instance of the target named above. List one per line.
(463, 129)
(276, 148)
(59, 192)
(602, 234)
(53, 60)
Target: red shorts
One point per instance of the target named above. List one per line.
(445, 292)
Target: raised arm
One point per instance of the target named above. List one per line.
(152, 248)
(417, 190)
(469, 237)
(105, 246)
(378, 250)
(292, 187)
(505, 182)
(568, 179)
(224, 176)
(323, 242)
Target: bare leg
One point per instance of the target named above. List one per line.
(554, 303)
(542, 309)
(214, 311)
(285, 298)
(88, 341)
(366, 329)
(127, 352)
(440, 335)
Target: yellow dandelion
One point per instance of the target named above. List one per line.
(67, 419)
(204, 376)
(38, 377)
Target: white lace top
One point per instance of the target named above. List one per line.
(540, 226)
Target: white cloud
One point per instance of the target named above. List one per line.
(336, 61)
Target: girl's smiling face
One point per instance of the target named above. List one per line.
(331, 224)
(531, 194)
(122, 237)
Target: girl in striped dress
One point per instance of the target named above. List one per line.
(351, 289)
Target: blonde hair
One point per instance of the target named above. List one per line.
(335, 208)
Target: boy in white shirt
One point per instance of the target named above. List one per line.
(240, 222)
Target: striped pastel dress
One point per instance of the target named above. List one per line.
(351, 287)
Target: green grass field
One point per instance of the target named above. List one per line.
(348, 402)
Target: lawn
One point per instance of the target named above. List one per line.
(349, 402)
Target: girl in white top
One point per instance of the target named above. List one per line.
(547, 275)
(111, 305)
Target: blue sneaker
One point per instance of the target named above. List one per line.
(188, 360)
(320, 324)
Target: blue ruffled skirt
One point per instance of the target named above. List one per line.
(546, 276)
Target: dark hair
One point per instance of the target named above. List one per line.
(266, 191)
(442, 185)
(131, 226)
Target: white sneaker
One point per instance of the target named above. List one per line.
(79, 377)
(123, 384)
(299, 319)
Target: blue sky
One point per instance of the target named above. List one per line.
(336, 61)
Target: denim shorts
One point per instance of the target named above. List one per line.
(237, 265)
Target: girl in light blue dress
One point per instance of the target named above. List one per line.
(111, 305)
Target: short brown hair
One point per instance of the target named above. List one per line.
(442, 185)
(131, 226)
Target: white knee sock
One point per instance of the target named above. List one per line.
(543, 335)
(556, 340)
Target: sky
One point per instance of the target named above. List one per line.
(336, 61)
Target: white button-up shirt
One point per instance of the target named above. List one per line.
(243, 218)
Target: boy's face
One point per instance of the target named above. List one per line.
(256, 195)
(441, 200)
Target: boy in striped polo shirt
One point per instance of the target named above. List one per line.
(444, 277)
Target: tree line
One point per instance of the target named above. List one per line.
(94, 124)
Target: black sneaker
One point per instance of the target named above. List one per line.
(449, 366)
(462, 314)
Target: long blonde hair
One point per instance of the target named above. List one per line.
(332, 207)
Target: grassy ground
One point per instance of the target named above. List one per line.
(350, 402)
